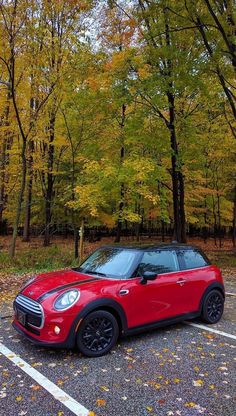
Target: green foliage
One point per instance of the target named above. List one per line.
(40, 259)
(103, 132)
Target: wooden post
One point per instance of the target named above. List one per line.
(81, 241)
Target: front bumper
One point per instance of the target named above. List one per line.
(68, 343)
(39, 323)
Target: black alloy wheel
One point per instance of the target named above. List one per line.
(213, 307)
(97, 333)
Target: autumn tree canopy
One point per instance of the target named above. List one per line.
(117, 114)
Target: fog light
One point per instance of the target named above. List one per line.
(57, 330)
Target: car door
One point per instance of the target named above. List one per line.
(195, 275)
(158, 299)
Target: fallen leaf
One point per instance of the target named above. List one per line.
(101, 402)
(190, 404)
(18, 398)
(104, 388)
(176, 380)
(198, 383)
(35, 388)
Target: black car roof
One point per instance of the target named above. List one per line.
(146, 247)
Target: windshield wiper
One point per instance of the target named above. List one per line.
(79, 269)
(93, 272)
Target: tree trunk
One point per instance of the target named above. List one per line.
(2, 187)
(162, 231)
(205, 228)
(177, 176)
(218, 212)
(50, 179)
(137, 231)
(234, 219)
(119, 222)
(205, 232)
(182, 208)
(219, 219)
(215, 219)
(122, 188)
(76, 242)
(177, 179)
(20, 199)
(4, 160)
(81, 241)
(26, 232)
(24, 140)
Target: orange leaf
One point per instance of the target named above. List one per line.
(101, 402)
(35, 387)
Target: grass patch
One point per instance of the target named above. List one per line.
(223, 259)
(38, 259)
(33, 257)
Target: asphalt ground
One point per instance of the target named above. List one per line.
(178, 370)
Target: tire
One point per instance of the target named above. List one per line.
(213, 307)
(97, 334)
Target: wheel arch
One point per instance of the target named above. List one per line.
(213, 286)
(105, 304)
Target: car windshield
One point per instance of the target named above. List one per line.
(111, 262)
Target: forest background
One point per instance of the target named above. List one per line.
(117, 123)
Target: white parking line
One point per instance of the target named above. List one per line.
(207, 328)
(230, 294)
(54, 390)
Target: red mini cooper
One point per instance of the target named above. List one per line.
(118, 291)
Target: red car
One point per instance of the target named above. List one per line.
(118, 291)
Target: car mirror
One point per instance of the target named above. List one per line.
(147, 276)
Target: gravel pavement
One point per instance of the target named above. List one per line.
(179, 370)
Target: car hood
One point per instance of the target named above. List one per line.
(52, 282)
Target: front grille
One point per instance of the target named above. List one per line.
(28, 304)
(32, 309)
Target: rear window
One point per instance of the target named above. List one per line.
(191, 259)
(159, 261)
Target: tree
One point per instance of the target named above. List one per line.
(15, 62)
(169, 60)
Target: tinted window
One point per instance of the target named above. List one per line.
(110, 262)
(160, 261)
(191, 259)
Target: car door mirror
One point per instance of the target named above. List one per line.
(147, 276)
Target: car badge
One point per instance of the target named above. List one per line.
(31, 293)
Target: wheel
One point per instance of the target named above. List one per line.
(213, 307)
(97, 333)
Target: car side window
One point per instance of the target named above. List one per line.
(191, 259)
(158, 261)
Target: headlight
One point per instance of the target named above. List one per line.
(28, 282)
(66, 300)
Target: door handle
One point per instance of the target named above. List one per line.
(124, 292)
(181, 282)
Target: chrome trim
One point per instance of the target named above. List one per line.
(61, 295)
(33, 307)
(28, 306)
(185, 270)
(181, 282)
(124, 292)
